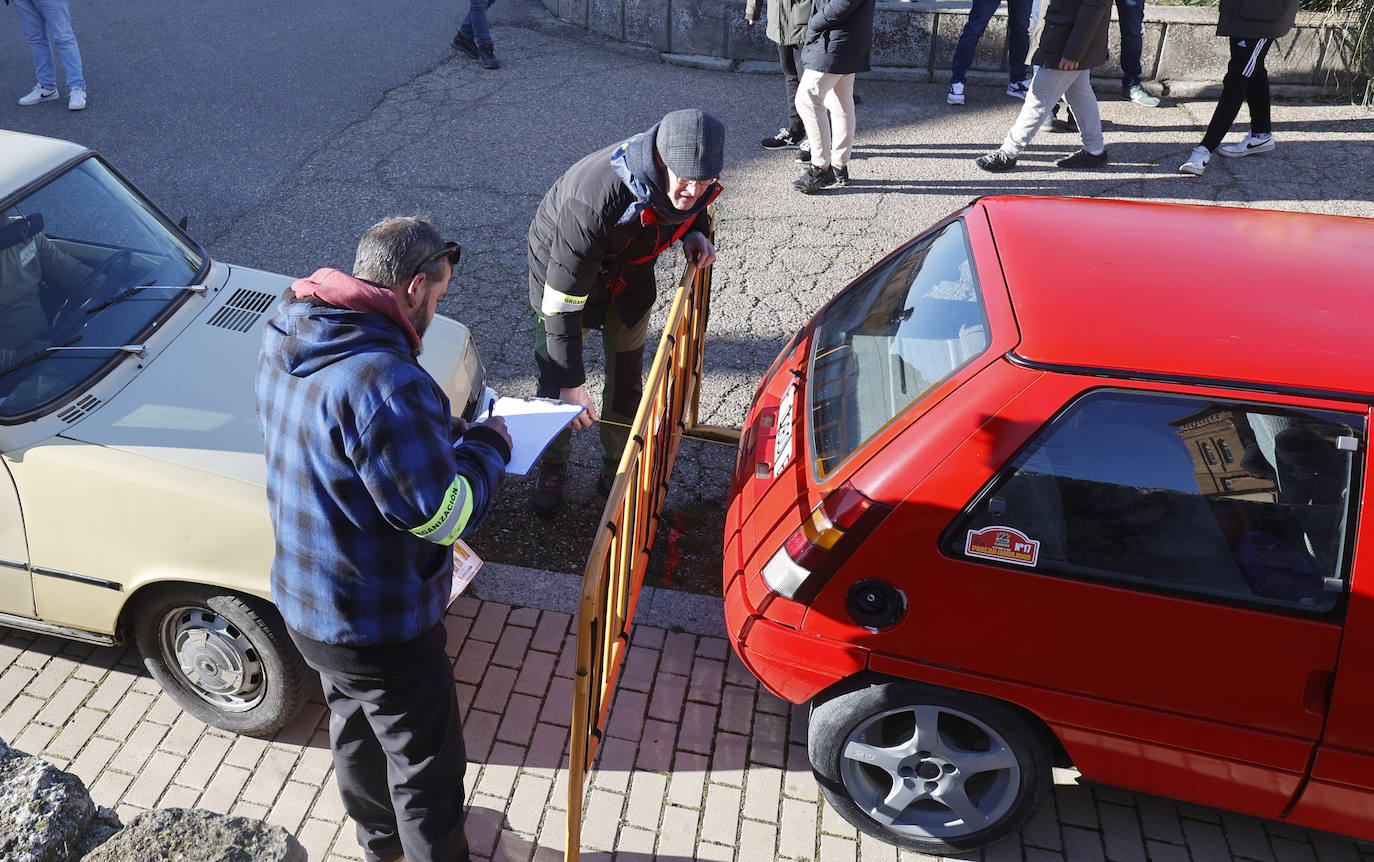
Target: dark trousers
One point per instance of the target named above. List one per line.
(789, 58)
(1131, 18)
(1018, 37)
(1246, 81)
(397, 740)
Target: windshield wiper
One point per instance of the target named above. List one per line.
(139, 350)
(34, 357)
(129, 292)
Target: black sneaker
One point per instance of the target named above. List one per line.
(466, 45)
(996, 161)
(841, 175)
(486, 55)
(813, 179)
(782, 140)
(547, 496)
(1084, 160)
(804, 152)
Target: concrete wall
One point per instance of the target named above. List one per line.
(914, 40)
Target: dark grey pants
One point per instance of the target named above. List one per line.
(397, 740)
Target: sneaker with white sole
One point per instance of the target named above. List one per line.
(804, 152)
(1248, 147)
(1018, 89)
(38, 94)
(956, 93)
(76, 100)
(1197, 162)
(782, 140)
(1142, 96)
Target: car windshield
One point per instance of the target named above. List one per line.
(84, 263)
(890, 338)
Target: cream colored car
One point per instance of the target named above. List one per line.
(131, 497)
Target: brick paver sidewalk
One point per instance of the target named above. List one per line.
(699, 762)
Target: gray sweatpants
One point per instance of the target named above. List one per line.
(1046, 88)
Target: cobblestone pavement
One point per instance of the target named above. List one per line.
(698, 762)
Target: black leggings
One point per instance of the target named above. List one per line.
(1246, 81)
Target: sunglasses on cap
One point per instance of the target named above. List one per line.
(451, 250)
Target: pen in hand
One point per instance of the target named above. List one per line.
(491, 407)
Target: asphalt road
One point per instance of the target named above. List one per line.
(284, 130)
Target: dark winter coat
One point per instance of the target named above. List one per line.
(1256, 19)
(839, 36)
(786, 19)
(593, 243)
(1074, 30)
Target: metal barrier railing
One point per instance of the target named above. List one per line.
(620, 551)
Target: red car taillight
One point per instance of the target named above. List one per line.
(817, 548)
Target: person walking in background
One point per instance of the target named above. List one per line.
(1130, 15)
(1251, 25)
(474, 35)
(839, 37)
(786, 27)
(1073, 41)
(1018, 46)
(47, 23)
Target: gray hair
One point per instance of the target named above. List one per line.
(391, 249)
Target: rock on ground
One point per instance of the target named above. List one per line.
(190, 835)
(44, 812)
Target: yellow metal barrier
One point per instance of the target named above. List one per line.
(620, 552)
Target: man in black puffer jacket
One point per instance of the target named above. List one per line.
(592, 248)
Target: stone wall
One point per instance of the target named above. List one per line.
(915, 41)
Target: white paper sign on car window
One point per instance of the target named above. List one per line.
(782, 443)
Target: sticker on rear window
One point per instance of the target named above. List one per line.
(1002, 543)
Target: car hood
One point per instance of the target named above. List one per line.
(193, 404)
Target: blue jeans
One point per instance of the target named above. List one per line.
(1131, 16)
(474, 26)
(46, 23)
(1018, 37)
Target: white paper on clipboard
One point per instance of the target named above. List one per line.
(532, 423)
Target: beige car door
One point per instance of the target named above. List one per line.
(16, 587)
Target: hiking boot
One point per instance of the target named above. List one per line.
(782, 140)
(841, 175)
(76, 100)
(547, 496)
(466, 45)
(1248, 147)
(1018, 89)
(38, 94)
(955, 96)
(1197, 162)
(813, 179)
(1068, 124)
(1084, 160)
(996, 162)
(486, 55)
(1141, 96)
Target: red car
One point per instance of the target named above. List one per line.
(1026, 494)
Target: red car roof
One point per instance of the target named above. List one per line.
(1265, 297)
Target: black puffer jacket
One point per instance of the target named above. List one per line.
(593, 243)
(1256, 19)
(839, 36)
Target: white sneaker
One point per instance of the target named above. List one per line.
(1018, 89)
(1248, 147)
(1197, 162)
(38, 94)
(76, 100)
(956, 94)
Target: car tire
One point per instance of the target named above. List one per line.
(926, 768)
(225, 658)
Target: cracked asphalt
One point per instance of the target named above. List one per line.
(285, 130)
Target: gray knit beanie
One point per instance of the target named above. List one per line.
(692, 144)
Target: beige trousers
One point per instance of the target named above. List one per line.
(830, 142)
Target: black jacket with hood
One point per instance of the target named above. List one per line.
(593, 243)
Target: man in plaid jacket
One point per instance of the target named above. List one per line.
(368, 492)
